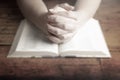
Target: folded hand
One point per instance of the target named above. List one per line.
(62, 23)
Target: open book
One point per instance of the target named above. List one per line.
(88, 42)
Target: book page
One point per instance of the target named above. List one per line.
(88, 41)
(34, 43)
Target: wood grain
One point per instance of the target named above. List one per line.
(60, 68)
(109, 16)
(111, 67)
(10, 17)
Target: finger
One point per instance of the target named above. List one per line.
(65, 24)
(66, 6)
(55, 30)
(54, 39)
(64, 14)
(74, 14)
(66, 36)
(69, 27)
(61, 10)
(52, 18)
(69, 14)
(60, 19)
(56, 9)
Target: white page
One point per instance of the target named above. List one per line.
(88, 42)
(34, 43)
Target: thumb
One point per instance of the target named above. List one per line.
(66, 6)
(56, 9)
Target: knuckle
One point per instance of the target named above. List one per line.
(52, 18)
(56, 18)
(54, 39)
(65, 26)
(68, 27)
(57, 32)
(63, 37)
(48, 28)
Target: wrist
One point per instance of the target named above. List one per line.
(82, 18)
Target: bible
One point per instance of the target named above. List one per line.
(30, 42)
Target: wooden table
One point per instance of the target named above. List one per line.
(60, 68)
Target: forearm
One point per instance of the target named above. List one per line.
(33, 10)
(88, 7)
